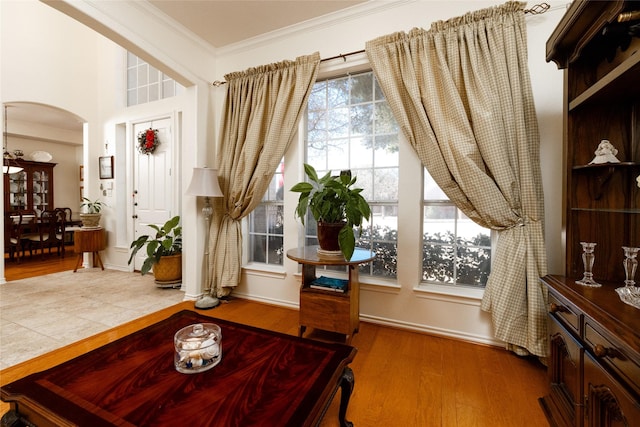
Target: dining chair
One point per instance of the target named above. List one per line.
(12, 231)
(68, 221)
(68, 213)
(28, 229)
(51, 230)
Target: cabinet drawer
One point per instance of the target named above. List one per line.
(609, 352)
(565, 313)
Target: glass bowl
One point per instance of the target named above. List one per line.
(198, 347)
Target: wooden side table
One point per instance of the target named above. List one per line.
(89, 240)
(326, 309)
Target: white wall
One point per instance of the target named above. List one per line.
(82, 77)
(47, 58)
(437, 310)
(51, 58)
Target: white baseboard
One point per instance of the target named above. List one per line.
(393, 323)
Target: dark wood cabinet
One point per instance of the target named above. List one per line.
(31, 188)
(607, 402)
(594, 359)
(565, 361)
(601, 57)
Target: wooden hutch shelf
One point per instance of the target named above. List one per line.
(594, 361)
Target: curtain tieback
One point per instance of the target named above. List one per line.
(228, 217)
(522, 222)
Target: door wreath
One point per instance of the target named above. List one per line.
(148, 141)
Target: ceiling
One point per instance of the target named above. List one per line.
(218, 23)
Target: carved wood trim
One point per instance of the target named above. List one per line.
(603, 408)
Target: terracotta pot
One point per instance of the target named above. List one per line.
(328, 235)
(168, 269)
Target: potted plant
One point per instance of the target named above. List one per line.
(91, 216)
(336, 206)
(164, 251)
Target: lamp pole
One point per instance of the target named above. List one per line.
(204, 183)
(207, 301)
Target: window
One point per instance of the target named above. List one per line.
(146, 84)
(455, 250)
(266, 239)
(350, 126)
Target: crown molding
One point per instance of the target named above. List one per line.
(174, 25)
(345, 15)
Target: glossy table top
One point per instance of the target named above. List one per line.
(264, 378)
(309, 255)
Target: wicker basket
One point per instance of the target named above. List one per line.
(168, 269)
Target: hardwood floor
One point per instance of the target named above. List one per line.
(31, 266)
(403, 378)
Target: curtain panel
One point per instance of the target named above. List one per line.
(461, 94)
(262, 109)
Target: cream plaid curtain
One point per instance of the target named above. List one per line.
(261, 113)
(462, 96)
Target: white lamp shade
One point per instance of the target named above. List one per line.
(204, 182)
(11, 169)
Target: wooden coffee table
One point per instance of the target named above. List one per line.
(265, 378)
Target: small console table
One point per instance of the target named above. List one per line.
(327, 309)
(89, 240)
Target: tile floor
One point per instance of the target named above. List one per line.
(43, 313)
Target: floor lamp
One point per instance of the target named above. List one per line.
(204, 183)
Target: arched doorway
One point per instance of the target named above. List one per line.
(43, 133)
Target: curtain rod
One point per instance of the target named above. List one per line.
(537, 9)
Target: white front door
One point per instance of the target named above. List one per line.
(153, 189)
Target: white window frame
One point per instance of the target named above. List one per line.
(365, 269)
(410, 202)
(247, 226)
(143, 72)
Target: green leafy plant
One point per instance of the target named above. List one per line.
(167, 241)
(332, 199)
(92, 206)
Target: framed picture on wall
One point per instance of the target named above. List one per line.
(106, 167)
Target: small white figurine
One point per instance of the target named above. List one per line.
(638, 181)
(606, 153)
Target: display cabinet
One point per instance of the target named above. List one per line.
(31, 188)
(594, 360)
(602, 102)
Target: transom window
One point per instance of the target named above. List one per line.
(146, 83)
